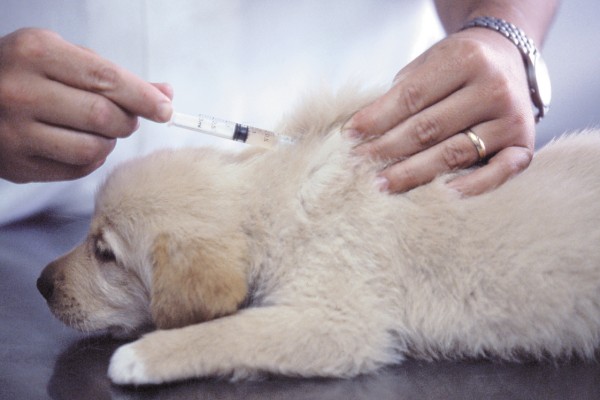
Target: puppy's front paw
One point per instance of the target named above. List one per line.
(127, 368)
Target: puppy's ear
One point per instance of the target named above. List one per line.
(196, 281)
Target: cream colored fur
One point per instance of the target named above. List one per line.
(293, 262)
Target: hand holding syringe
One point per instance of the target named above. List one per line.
(229, 130)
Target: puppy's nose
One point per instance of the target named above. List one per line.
(45, 287)
(45, 282)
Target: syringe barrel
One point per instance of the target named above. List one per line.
(229, 130)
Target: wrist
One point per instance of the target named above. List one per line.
(538, 78)
(534, 17)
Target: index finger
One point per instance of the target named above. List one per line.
(419, 85)
(84, 69)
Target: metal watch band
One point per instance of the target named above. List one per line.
(510, 31)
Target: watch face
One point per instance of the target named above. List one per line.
(542, 76)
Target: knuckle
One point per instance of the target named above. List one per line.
(404, 178)
(455, 156)
(480, 60)
(501, 93)
(12, 95)
(522, 124)
(85, 155)
(30, 43)
(20, 51)
(103, 78)
(99, 114)
(130, 126)
(91, 151)
(105, 118)
(475, 53)
(426, 132)
(411, 98)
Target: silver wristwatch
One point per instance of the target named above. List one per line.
(537, 72)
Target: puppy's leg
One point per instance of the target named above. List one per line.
(280, 340)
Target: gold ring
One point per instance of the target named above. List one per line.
(477, 142)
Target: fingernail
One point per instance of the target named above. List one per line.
(351, 133)
(382, 184)
(167, 90)
(165, 109)
(458, 188)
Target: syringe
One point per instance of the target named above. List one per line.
(229, 130)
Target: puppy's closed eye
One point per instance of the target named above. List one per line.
(103, 252)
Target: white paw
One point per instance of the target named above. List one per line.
(126, 368)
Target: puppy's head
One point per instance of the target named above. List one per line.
(165, 249)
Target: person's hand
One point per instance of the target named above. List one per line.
(474, 79)
(62, 107)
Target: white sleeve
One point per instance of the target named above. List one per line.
(19, 201)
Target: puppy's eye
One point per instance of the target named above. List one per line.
(103, 253)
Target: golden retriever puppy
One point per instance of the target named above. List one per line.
(293, 262)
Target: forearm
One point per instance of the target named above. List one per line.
(534, 17)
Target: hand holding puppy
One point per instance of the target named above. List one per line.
(465, 100)
(458, 84)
